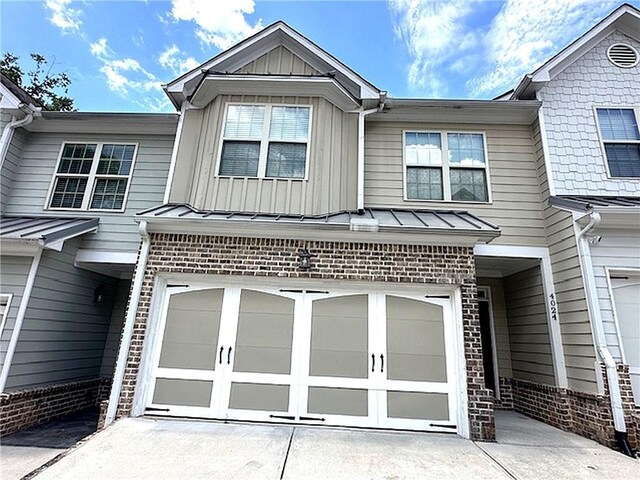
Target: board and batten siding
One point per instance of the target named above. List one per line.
(618, 250)
(531, 357)
(64, 331)
(500, 324)
(577, 339)
(115, 328)
(116, 231)
(516, 206)
(13, 278)
(281, 61)
(332, 169)
(10, 166)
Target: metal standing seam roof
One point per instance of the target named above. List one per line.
(422, 220)
(44, 230)
(588, 202)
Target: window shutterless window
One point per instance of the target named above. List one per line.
(92, 176)
(449, 166)
(265, 141)
(621, 140)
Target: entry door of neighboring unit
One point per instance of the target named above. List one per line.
(626, 295)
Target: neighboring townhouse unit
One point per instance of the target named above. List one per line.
(590, 117)
(328, 255)
(71, 184)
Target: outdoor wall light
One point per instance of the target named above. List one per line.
(99, 294)
(304, 259)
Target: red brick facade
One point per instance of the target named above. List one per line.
(24, 408)
(213, 255)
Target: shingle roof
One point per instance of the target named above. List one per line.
(44, 230)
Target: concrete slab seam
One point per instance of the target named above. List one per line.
(286, 455)
(495, 461)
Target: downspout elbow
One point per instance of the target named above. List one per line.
(7, 133)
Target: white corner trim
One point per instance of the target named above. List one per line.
(24, 302)
(553, 320)
(461, 367)
(174, 152)
(545, 146)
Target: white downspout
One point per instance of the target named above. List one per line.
(596, 322)
(7, 133)
(360, 190)
(129, 323)
(24, 303)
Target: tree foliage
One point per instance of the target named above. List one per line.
(41, 83)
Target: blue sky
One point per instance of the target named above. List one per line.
(118, 53)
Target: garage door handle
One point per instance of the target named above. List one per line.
(229, 356)
(381, 363)
(221, 350)
(373, 365)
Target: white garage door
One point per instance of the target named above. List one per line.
(366, 359)
(626, 295)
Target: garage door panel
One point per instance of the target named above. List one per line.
(418, 405)
(418, 368)
(338, 401)
(187, 393)
(188, 356)
(256, 396)
(332, 363)
(262, 360)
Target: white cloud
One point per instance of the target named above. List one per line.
(63, 16)
(176, 60)
(434, 33)
(524, 34)
(99, 48)
(220, 23)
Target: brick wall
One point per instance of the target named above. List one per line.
(506, 395)
(253, 257)
(24, 408)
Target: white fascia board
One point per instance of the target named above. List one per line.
(512, 251)
(328, 88)
(18, 247)
(98, 256)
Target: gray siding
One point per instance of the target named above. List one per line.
(115, 328)
(578, 162)
(500, 324)
(279, 61)
(516, 206)
(13, 278)
(577, 340)
(331, 184)
(5, 118)
(531, 357)
(618, 249)
(10, 166)
(117, 231)
(64, 331)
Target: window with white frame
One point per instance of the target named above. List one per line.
(265, 141)
(5, 303)
(449, 166)
(92, 176)
(621, 140)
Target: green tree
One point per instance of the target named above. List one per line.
(41, 83)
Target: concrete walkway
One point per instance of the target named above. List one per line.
(171, 449)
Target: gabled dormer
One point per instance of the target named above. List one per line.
(270, 125)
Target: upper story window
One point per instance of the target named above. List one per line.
(450, 166)
(92, 176)
(621, 140)
(265, 141)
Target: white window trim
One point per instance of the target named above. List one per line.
(91, 177)
(446, 181)
(636, 112)
(3, 319)
(264, 141)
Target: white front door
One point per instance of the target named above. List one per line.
(328, 358)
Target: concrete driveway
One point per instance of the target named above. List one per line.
(170, 449)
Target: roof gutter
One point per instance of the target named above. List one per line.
(127, 333)
(7, 133)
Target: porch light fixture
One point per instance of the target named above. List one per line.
(99, 294)
(304, 259)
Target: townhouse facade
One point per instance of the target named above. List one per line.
(317, 252)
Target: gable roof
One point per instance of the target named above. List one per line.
(276, 34)
(13, 95)
(625, 18)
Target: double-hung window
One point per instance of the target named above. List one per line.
(92, 176)
(621, 140)
(449, 166)
(265, 141)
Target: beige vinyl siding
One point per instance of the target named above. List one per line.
(531, 357)
(116, 231)
(115, 328)
(278, 61)
(577, 340)
(500, 324)
(515, 191)
(13, 278)
(332, 170)
(10, 166)
(64, 331)
(619, 250)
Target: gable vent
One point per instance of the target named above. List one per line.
(622, 55)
